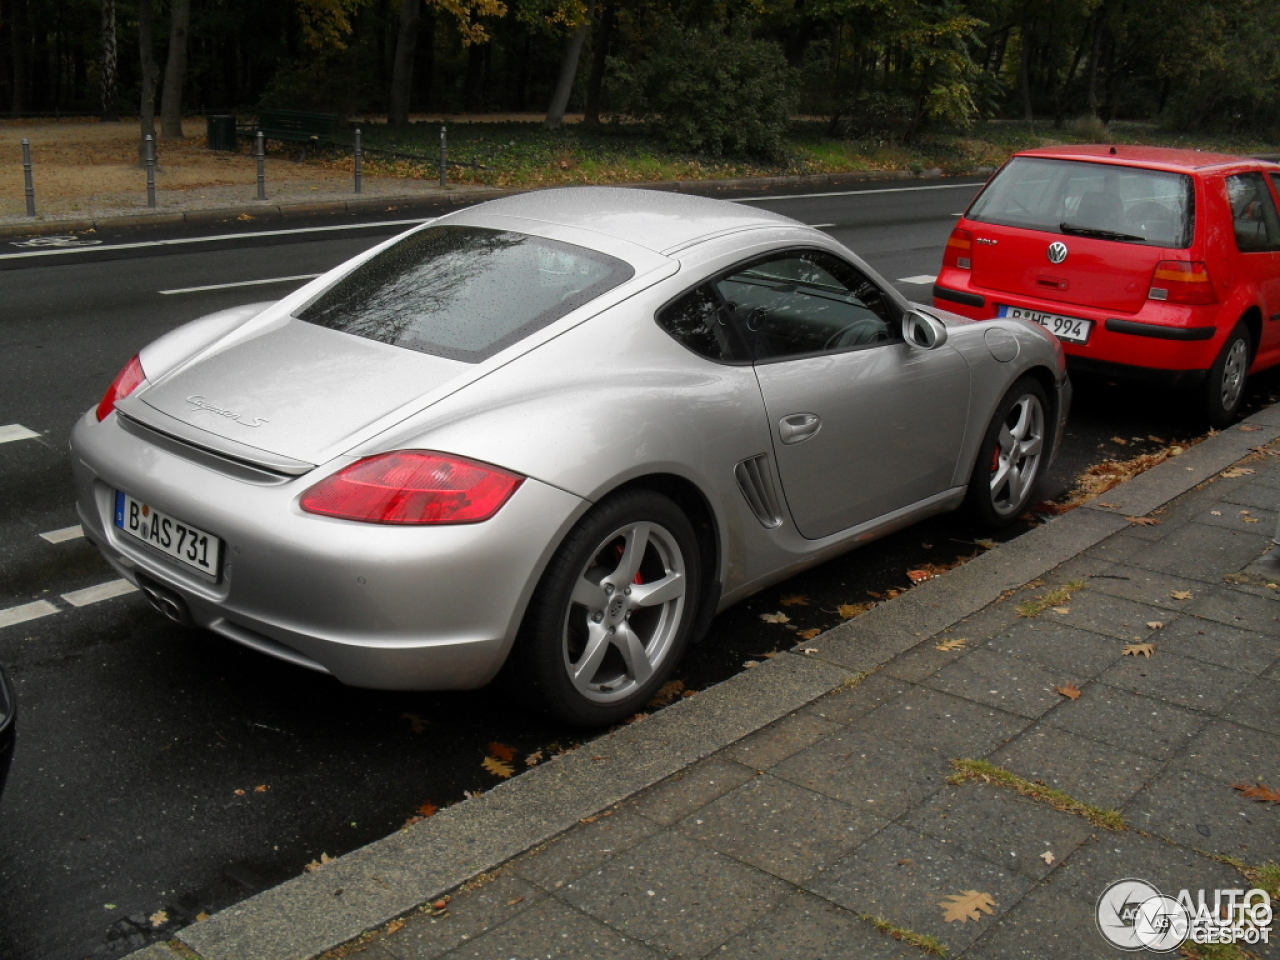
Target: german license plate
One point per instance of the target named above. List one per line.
(1071, 329)
(173, 537)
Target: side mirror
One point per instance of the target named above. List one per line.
(921, 330)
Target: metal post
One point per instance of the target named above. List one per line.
(444, 157)
(262, 167)
(26, 173)
(359, 161)
(151, 170)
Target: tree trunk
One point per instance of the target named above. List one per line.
(402, 65)
(568, 71)
(599, 54)
(150, 73)
(110, 63)
(1095, 54)
(1024, 77)
(18, 49)
(175, 71)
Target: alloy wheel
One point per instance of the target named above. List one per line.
(1016, 458)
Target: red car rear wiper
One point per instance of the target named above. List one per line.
(1095, 232)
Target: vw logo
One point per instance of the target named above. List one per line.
(1057, 252)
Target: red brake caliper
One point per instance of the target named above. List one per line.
(618, 551)
(995, 459)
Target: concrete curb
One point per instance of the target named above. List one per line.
(364, 889)
(423, 203)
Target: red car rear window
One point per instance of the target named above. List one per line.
(1079, 198)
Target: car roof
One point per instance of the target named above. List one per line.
(1163, 158)
(655, 219)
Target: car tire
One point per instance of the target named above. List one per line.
(613, 613)
(1013, 454)
(1222, 392)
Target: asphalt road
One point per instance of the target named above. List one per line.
(160, 769)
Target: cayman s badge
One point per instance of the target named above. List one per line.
(1057, 252)
(200, 403)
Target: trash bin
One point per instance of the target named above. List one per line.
(221, 131)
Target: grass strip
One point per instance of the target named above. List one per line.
(986, 772)
(1053, 598)
(921, 941)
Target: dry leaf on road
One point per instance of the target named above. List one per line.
(1249, 427)
(967, 906)
(775, 618)
(919, 576)
(502, 752)
(1181, 594)
(159, 918)
(1068, 690)
(417, 724)
(809, 634)
(498, 768)
(1061, 611)
(848, 611)
(1260, 792)
(1143, 521)
(1048, 857)
(1235, 472)
(669, 692)
(1139, 649)
(794, 600)
(315, 865)
(1154, 624)
(953, 644)
(261, 788)
(533, 759)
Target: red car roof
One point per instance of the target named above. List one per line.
(1164, 158)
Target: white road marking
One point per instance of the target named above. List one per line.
(922, 278)
(103, 591)
(242, 283)
(28, 611)
(859, 193)
(142, 244)
(16, 431)
(63, 535)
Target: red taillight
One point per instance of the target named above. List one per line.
(1182, 281)
(958, 249)
(413, 486)
(126, 381)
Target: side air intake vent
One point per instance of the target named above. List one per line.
(756, 484)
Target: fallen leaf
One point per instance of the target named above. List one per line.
(986, 544)
(919, 576)
(315, 865)
(1143, 521)
(669, 692)
(1068, 690)
(471, 794)
(1235, 472)
(1139, 649)
(750, 663)
(1120, 440)
(809, 634)
(953, 644)
(1061, 611)
(159, 918)
(1109, 506)
(1215, 513)
(1048, 856)
(967, 906)
(1252, 520)
(201, 917)
(512, 903)
(417, 724)
(1154, 624)
(808, 650)
(1260, 792)
(261, 788)
(533, 759)
(427, 809)
(848, 611)
(794, 600)
(498, 768)
(775, 618)
(1273, 586)
(1181, 594)
(502, 752)
(1249, 427)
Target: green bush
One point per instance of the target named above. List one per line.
(709, 91)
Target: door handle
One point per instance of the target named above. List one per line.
(798, 426)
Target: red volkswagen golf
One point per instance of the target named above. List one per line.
(1147, 263)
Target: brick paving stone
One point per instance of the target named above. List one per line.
(553, 931)
(676, 895)
(952, 726)
(470, 914)
(904, 876)
(998, 680)
(1200, 552)
(1212, 642)
(1147, 586)
(1188, 683)
(1120, 547)
(867, 772)
(1124, 719)
(773, 744)
(807, 928)
(1114, 616)
(925, 659)
(1197, 812)
(1047, 925)
(1096, 773)
(1233, 753)
(1075, 654)
(1259, 493)
(1238, 609)
(1257, 706)
(584, 848)
(1233, 516)
(1117, 856)
(1000, 826)
(842, 706)
(782, 829)
(682, 793)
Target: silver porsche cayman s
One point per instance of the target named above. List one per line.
(552, 434)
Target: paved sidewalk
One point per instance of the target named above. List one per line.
(814, 807)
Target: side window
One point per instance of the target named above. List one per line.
(698, 321)
(806, 303)
(1253, 213)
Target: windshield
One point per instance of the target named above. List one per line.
(1072, 197)
(464, 293)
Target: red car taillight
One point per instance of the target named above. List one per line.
(958, 249)
(1182, 281)
(413, 487)
(126, 381)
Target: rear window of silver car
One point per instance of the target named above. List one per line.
(464, 293)
(1078, 198)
